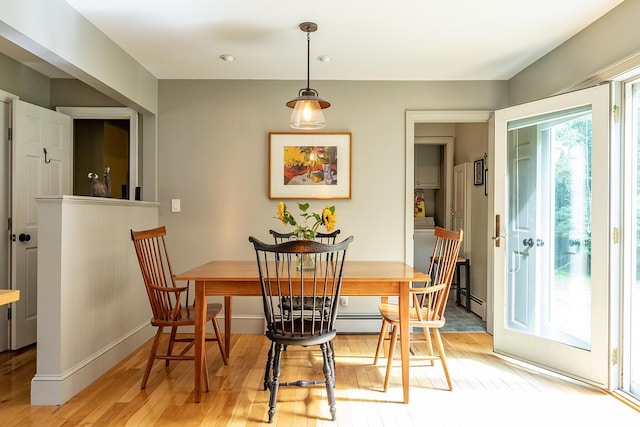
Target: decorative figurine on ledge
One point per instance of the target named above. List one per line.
(100, 188)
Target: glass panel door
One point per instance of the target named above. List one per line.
(631, 325)
(549, 205)
(551, 162)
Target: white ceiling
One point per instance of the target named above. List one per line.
(365, 39)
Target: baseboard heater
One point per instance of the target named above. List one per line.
(359, 323)
(478, 306)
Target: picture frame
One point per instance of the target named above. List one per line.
(310, 165)
(478, 172)
(486, 182)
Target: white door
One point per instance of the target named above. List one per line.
(630, 366)
(550, 198)
(41, 167)
(462, 174)
(5, 166)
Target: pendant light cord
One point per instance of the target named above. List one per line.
(308, 58)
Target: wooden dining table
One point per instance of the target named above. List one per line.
(240, 278)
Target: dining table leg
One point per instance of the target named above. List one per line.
(200, 321)
(227, 324)
(405, 333)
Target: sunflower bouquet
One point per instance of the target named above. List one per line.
(327, 218)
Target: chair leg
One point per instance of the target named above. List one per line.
(468, 286)
(216, 329)
(329, 379)
(392, 348)
(383, 331)
(152, 357)
(332, 358)
(274, 382)
(205, 368)
(269, 366)
(443, 357)
(172, 340)
(456, 273)
(427, 338)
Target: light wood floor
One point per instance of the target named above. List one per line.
(488, 391)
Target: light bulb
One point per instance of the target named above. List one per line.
(307, 111)
(307, 114)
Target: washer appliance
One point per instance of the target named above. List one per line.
(423, 242)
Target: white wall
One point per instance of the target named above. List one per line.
(93, 309)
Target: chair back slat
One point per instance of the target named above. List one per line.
(329, 238)
(300, 304)
(441, 269)
(157, 273)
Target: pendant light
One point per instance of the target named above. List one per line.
(307, 106)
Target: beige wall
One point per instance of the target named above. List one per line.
(213, 155)
(74, 93)
(22, 81)
(608, 46)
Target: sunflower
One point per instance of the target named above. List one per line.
(282, 209)
(285, 216)
(329, 217)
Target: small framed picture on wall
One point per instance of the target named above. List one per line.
(478, 172)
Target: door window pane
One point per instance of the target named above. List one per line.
(549, 228)
(633, 291)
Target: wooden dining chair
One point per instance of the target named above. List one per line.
(169, 302)
(328, 238)
(427, 303)
(304, 325)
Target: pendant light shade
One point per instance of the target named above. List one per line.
(307, 106)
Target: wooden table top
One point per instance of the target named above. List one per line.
(9, 295)
(354, 271)
(360, 278)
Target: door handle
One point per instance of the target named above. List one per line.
(24, 237)
(528, 242)
(496, 237)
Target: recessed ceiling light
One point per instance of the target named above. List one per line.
(226, 57)
(324, 58)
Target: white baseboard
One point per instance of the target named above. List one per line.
(57, 389)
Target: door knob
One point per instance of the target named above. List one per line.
(528, 242)
(24, 237)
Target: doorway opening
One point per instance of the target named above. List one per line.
(105, 136)
(98, 144)
(412, 119)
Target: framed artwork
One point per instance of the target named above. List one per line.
(310, 165)
(478, 172)
(486, 173)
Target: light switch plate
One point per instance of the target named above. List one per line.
(175, 205)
